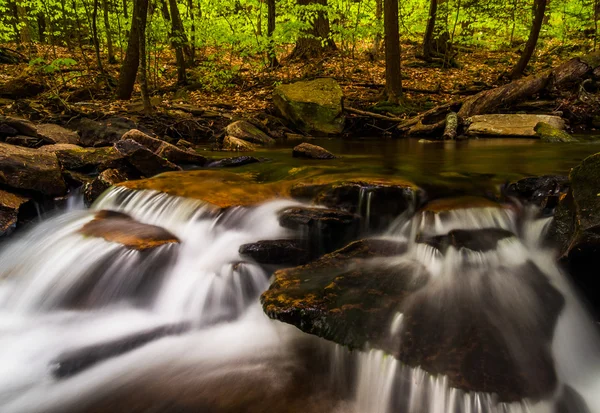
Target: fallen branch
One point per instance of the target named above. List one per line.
(437, 91)
(373, 115)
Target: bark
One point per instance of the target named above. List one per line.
(377, 41)
(451, 128)
(132, 55)
(95, 36)
(143, 16)
(14, 20)
(316, 40)
(109, 38)
(393, 75)
(24, 33)
(125, 10)
(178, 41)
(271, 14)
(539, 11)
(41, 23)
(428, 38)
(192, 49)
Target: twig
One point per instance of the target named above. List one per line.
(373, 115)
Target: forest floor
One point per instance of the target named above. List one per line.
(233, 88)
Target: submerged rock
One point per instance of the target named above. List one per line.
(145, 161)
(30, 169)
(306, 150)
(552, 134)
(9, 211)
(122, 229)
(313, 106)
(246, 131)
(510, 125)
(233, 162)
(325, 229)
(277, 252)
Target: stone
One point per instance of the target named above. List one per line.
(277, 252)
(57, 134)
(236, 145)
(87, 159)
(22, 126)
(295, 137)
(21, 88)
(325, 229)
(26, 141)
(9, 211)
(544, 191)
(233, 162)
(123, 229)
(165, 149)
(106, 179)
(481, 240)
(313, 106)
(308, 151)
(144, 160)
(30, 169)
(6, 131)
(552, 134)
(104, 133)
(244, 130)
(510, 125)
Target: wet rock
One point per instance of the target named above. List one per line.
(76, 179)
(25, 141)
(87, 159)
(512, 125)
(552, 134)
(233, 162)
(277, 252)
(6, 131)
(246, 131)
(306, 150)
(144, 160)
(104, 133)
(30, 169)
(477, 240)
(443, 205)
(76, 361)
(107, 178)
(571, 402)
(544, 191)
(21, 88)
(378, 201)
(325, 229)
(236, 145)
(165, 149)
(122, 229)
(9, 211)
(22, 126)
(51, 133)
(313, 106)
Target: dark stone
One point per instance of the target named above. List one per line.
(165, 149)
(325, 229)
(543, 191)
(144, 160)
(233, 162)
(246, 131)
(76, 361)
(22, 126)
(25, 141)
(6, 131)
(308, 151)
(107, 178)
(88, 159)
(57, 134)
(31, 169)
(277, 252)
(482, 240)
(104, 133)
(9, 211)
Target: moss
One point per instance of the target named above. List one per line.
(548, 133)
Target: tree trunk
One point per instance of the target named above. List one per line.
(178, 41)
(164, 10)
(132, 55)
(271, 14)
(539, 9)
(125, 11)
(316, 40)
(192, 55)
(24, 32)
(95, 36)
(428, 38)
(14, 20)
(377, 41)
(41, 23)
(143, 16)
(109, 38)
(393, 78)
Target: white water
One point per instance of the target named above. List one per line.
(235, 354)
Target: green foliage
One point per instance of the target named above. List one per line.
(54, 66)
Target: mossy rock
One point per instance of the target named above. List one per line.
(313, 106)
(549, 133)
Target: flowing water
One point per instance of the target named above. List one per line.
(61, 291)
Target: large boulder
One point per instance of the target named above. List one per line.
(9, 210)
(85, 159)
(246, 131)
(510, 125)
(313, 106)
(309, 151)
(51, 133)
(30, 169)
(122, 229)
(145, 161)
(164, 149)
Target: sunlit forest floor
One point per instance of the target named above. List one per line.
(232, 86)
